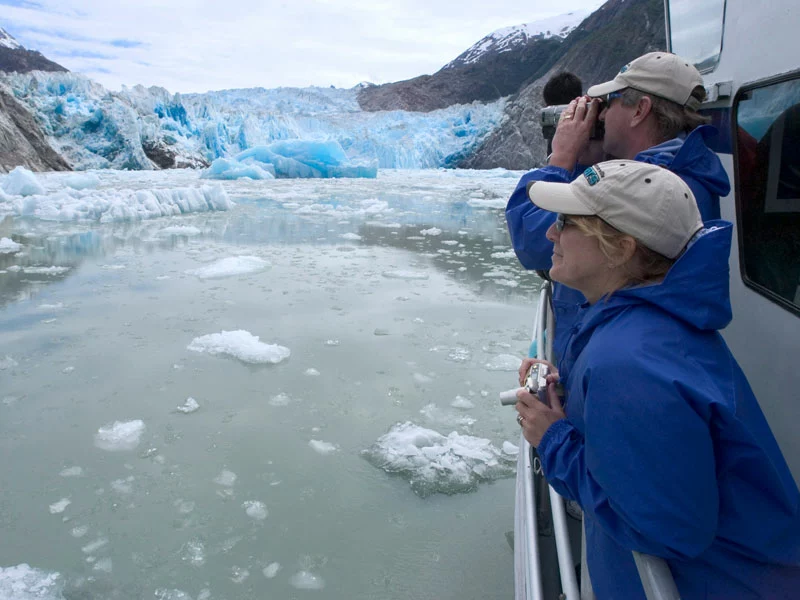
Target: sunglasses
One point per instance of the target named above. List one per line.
(562, 221)
(612, 96)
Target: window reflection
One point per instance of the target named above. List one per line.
(768, 156)
(696, 31)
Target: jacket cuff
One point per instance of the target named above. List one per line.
(554, 437)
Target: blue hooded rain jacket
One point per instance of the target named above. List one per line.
(686, 156)
(665, 447)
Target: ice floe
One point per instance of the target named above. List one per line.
(255, 510)
(241, 345)
(60, 506)
(231, 266)
(120, 435)
(226, 478)
(504, 362)
(9, 246)
(435, 463)
(271, 570)
(305, 580)
(117, 205)
(71, 472)
(190, 406)
(21, 182)
(24, 582)
(400, 274)
(323, 447)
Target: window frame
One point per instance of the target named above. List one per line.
(744, 89)
(668, 31)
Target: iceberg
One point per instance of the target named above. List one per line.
(308, 159)
(21, 182)
(227, 168)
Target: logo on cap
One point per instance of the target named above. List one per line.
(592, 175)
(625, 68)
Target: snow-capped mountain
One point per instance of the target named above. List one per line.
(8, 41)
(511, 38)
(14, 57)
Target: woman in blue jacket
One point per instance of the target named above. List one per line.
(662, 443)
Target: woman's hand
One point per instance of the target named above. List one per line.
(529, 362)
(535, 417)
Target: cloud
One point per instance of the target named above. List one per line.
(193, 46)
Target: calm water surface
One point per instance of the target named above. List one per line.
(393, 296)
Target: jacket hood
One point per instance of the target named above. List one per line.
(696, 289)
(689, 156)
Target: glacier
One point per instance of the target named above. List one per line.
(142, 128)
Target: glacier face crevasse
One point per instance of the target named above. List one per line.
(149, 128)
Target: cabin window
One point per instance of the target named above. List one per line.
(768, 196)
(695, 29)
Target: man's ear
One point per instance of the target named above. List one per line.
(643, 108)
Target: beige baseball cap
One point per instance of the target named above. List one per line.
(647, 202)
(659, 73)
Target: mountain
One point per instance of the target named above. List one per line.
(611, 37)
(15, 58)
(22, 141)
(496, 66)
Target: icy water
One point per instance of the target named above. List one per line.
(153, 448)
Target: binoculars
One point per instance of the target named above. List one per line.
(550, 116)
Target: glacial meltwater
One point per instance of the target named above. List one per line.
(282, 389)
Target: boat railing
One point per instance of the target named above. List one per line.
(654, 572)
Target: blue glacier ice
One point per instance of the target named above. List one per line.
(94, 128)
(228, 168)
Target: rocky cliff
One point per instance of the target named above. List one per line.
(21, 139)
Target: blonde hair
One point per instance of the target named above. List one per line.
(648, 265)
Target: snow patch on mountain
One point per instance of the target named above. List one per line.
(8, 41)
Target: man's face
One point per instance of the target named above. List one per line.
(617, 118)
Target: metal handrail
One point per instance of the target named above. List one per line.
(654, 572)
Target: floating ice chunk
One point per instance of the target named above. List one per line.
(308, 159)
(56, 306)
(123, 486)
(422, 378)
(312, 372)
(271, 570)
(174, 594)
(114, 205)
(189, 406)
(59, 507)
(194, 552)
(71, 472)
(350, 236)
(462, 403)
(331, 342)
(405, 274)
(323, 447)
(184, 506)
(510, 449)
(21, 182)
(507, 254)
(255, 510)
(504, 362)
(508, 283)
(9, 246)
(228, 168)
(304, 580)
(119, 435)
(434, 463)
(79, 532)
(487, 203)
(433, 231)
(186, 230)
(239, 574)
(94, 546)
(228, 267)
(226, 478)
(45, 270)
(104, 564)
(240, 344)
(26, 583)
(82, 181)
(7, 363)
(281, 399)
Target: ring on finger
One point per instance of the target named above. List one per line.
(520, 419)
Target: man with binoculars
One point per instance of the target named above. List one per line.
(649, 111)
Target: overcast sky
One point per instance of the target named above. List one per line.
(201, 45)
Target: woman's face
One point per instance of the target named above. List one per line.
(578, 261)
